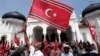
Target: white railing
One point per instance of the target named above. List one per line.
(5, 28)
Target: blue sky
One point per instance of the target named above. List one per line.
(23, 6)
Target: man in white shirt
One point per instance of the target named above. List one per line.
(66, 51)
(35, 53)
(35, 50)
(36, 44)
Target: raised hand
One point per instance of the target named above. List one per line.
(23, 29)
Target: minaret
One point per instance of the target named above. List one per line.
(75, 28)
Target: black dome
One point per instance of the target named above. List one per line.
(14, 14)
(91, 8)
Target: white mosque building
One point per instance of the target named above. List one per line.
(92, 14)
(78, 32)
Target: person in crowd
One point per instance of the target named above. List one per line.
(35, 48)
(4, 50)
(60, 49)
(12, 49)
(20, 51)
(51, 51)
(75, 50)
(66, 51)
(81, 49)
(93, 49)
(88, 50)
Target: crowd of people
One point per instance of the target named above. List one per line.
(40, 47)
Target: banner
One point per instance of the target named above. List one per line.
(92, 30)
(52, 13)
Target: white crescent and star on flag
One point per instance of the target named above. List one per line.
(49, 10)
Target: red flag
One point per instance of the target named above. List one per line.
(51, 12)
(6, 50)
(56, 48)
(7, 46)
(16, 40)
(92, 30)
(46, 48)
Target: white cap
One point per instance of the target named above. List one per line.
(65, 45)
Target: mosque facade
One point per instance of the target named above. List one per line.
(75, 32)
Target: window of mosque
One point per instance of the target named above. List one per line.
(84, 36)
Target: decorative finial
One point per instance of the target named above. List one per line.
(16, 10)
(90, 1)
